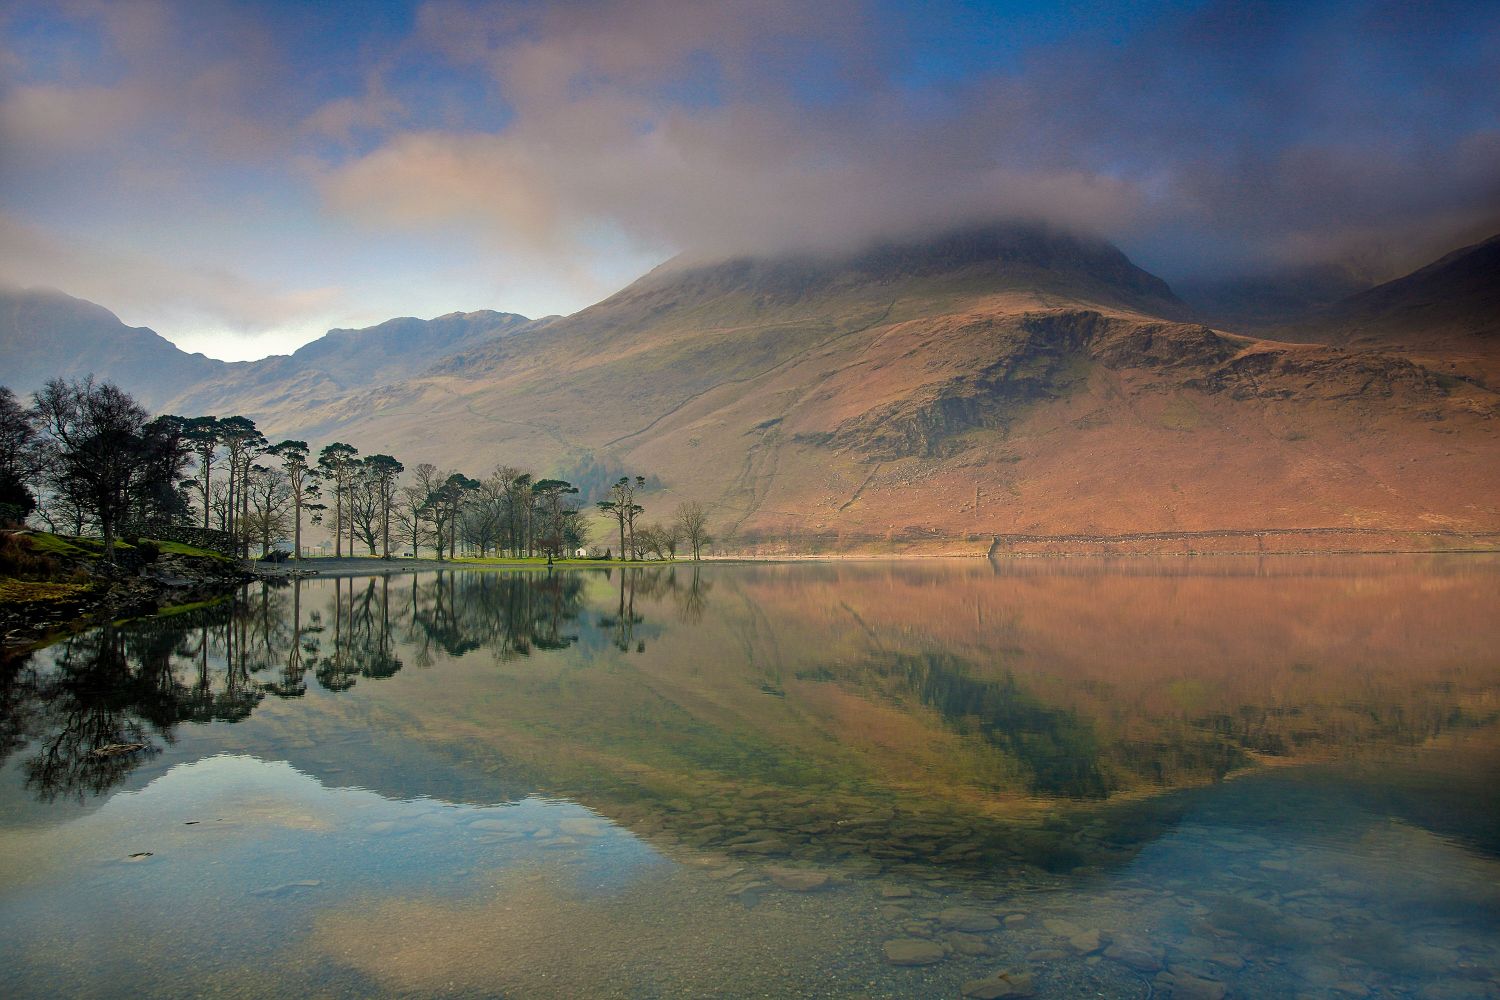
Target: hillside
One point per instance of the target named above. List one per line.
(45, 334)
(1006, 380)
(1447, 313)
(341, 362)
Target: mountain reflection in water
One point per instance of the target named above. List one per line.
(1215, 766)
(867, 715)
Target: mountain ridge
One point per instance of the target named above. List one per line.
(47, 334)
(1009, 383)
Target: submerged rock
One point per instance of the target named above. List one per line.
(999, 985)
(966, 944)
(798, 879)
(1186, 986)
(1139, 955)
(1085, 942)
(960, 918)
(583, 827)
(287, 888)
(913, 951)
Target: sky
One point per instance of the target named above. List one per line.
(242, 176)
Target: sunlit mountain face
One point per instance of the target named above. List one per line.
(929, 395)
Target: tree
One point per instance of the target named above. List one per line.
(515, 487)
(654, 539)
(106, 454)
(337, 463)
(671, 537)
(442, 508)
(383, 471)
(548, 495)
(621, 504)
(363, 508)
(268, 494)
(410, 523)
(485, 519)
(576, 529)
(165, 450)
(428, 478)
(244, 443)
(293, 455)
(20, 458)
(203, 434)
(692, 519)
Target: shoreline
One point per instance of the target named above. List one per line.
(324, 567)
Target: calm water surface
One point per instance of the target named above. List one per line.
(1244, 778)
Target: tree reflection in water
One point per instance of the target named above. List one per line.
(690, 597)
(91, 709)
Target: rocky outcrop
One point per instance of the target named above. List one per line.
(1041, 357)
(143, 580)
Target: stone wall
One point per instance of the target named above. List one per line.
(184, 534)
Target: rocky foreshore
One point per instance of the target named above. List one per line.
(79, 588)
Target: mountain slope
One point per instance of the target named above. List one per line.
(45, 334)
(1447, 312)
(1017, 384)
(997, 381)
(342, 362)
(391, 350)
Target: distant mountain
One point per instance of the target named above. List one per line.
(1262, 302)
(342, 362)
(1447, 312)
(45, 334)
(397, 347)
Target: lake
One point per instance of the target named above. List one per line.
(1053, 778)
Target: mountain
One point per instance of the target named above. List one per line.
(45, 334)
(342, 362)
(387, 352)
(1007, 380)
(1447, 313)
(1260, 303)
(1001, 380)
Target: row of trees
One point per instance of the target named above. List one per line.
(87, 454)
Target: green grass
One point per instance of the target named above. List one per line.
(177, 548)
(42, 541)
(34, 592)
(67, 545)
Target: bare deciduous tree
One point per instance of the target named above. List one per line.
(692, 520)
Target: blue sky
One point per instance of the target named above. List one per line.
(242, 176)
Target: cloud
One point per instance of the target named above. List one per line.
(1226, 137)
(139, 286)
(48, 117)
(550, 142)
